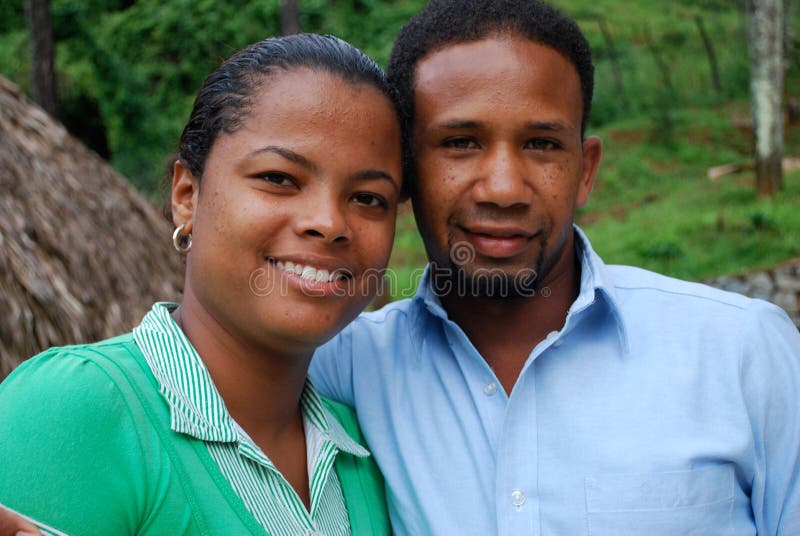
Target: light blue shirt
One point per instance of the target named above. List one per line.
(662, 407)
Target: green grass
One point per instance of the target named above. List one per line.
(653, 205)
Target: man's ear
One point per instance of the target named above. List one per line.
(185, 191)
(592, 149)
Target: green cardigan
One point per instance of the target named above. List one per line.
(86, 447)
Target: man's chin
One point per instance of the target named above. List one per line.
(481, 282)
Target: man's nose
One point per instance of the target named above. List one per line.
(502, 180)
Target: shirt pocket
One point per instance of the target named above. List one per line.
(699, 501)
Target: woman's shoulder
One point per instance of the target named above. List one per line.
(60, 366)
(80, 385)
(88, 444)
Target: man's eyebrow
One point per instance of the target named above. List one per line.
(288, 154)
(375, 175)
(547, 125)
(457, 124)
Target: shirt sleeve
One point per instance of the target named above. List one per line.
(331, 369)
(770, 375)
(70, 455)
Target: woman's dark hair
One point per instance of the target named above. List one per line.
(227, 94)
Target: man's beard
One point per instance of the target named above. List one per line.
(454, 278)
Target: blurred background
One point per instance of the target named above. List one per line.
(676, 193)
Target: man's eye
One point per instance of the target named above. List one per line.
(460, 143)
(370, 200)
(542, 144)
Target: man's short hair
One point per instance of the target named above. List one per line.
(447, 22)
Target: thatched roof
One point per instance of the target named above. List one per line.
(82, 254)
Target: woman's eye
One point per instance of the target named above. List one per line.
(278, 179)
(370, 200)
(460, 143)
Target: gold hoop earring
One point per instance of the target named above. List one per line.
(181, 243)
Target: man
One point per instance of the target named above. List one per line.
(528, 388)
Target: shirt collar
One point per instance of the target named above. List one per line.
(595, 281)
(196, 407)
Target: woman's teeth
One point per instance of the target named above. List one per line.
(309, 272)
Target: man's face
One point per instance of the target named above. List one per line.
(501, 165)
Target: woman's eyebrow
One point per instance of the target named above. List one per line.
(288, 154)
(376, 174)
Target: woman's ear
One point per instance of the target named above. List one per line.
(185, 190)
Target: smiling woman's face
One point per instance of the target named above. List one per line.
(293, 220)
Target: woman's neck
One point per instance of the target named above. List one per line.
(261, 387)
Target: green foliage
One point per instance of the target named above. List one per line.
(138, 64)
(12, 16)
(642, 39)
(149, 60)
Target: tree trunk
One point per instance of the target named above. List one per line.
(789, 7)
(712, 57)
(765, 44)
(43, 78)
(290, 17)
(741, 9)
(659, 61)
(614, 57)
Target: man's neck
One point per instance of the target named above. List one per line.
(506, 330)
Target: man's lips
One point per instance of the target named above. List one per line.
(498, 242)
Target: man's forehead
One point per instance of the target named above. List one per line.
(495, 73)
(486, 57)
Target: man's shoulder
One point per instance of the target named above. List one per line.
(658, 300)
(388, 330)
(630, 282)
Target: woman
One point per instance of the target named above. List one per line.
(202, 421)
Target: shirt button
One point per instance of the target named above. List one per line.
(554, 335)
(490, 388)
(517, 498)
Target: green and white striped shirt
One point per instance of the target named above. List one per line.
(197, 409)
